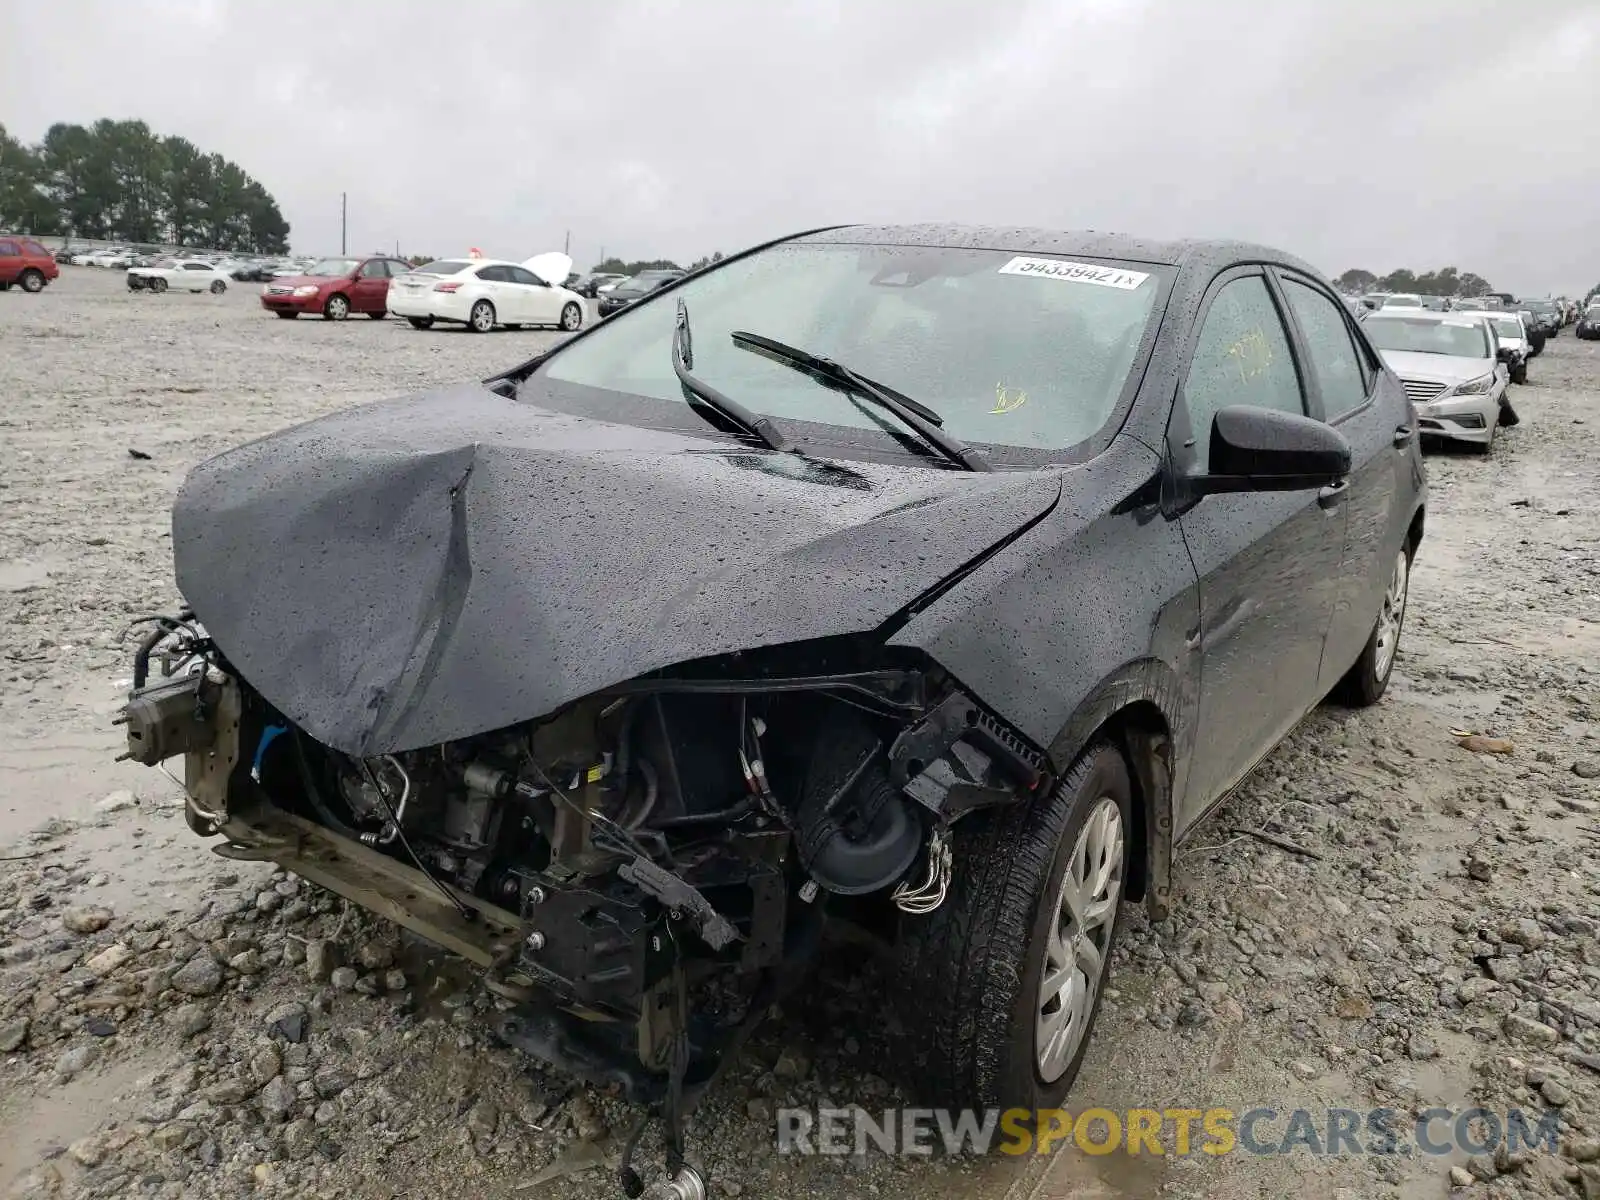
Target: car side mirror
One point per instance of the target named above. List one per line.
(1265, 450)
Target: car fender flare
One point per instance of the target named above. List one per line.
(1140, 701)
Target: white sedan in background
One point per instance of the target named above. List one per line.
(180, 274)
(481, 293)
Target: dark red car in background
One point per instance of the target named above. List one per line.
(335, 287)
(25, 263)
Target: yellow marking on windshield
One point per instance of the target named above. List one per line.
(1008, 399)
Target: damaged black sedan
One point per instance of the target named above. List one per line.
(937, 579)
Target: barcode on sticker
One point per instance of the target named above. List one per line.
(1072, 272)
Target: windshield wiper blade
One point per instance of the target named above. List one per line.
(924, 420)
(729, 408)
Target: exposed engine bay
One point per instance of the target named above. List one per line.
(620, 867)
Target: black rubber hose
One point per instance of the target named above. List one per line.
(313, 794)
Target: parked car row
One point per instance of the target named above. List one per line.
(480, 293)
(1552, 314)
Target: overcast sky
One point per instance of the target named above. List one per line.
(1375, 133)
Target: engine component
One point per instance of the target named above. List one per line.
(855, 833)
(682, 897)
(687, 1184)
(927, 896)
(169, 717)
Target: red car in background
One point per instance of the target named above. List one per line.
(25, 263)
(335, 287)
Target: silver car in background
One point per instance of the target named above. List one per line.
(1451, 367)
(1511, 331)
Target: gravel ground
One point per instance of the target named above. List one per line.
(172, 1024)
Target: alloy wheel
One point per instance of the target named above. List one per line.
(1392, 616)
(482, 317)
(1079, 939)
(338, 308)
(571, 318)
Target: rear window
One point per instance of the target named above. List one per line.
(35, 248)
(1462, 338)
(445, 266)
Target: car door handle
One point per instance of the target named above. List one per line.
(1330, 496)
(1402, 436)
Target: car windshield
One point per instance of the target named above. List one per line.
(444, 266)
(1506, 328)
(1462, 338)
(1539, 306)
(1012, 350)
(333, 266)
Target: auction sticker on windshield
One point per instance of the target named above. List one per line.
(1055, 268)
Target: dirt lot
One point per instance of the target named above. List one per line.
(171, 1024)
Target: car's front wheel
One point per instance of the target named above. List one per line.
(1365, 682)
(158, 285)
(31, 280)
(571, 316)
(481, 319)
(218, 287)
(1520, 375)
(337, 308)
(999, 987)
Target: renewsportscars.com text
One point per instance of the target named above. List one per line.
(1163, 1132)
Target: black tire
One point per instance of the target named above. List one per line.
(1520, 375)
(970, 973)
(287, 316)
(481, 318)
(337, 307)
(1364, 683)
(421, 322)
(571, 316)
(158, 285)
(380, 315)
(5, 287)
(31, 280)
(218, 287)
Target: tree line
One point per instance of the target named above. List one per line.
(119, 181)
(1448, 282)
(617, 266)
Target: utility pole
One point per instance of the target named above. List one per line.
(344, 209)
(567, 246)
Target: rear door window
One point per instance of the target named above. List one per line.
(9, 249)
(1333, 355)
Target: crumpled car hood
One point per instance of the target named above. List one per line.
(419, 570)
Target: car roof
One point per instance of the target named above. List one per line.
(1028, 240)
(1420, 314)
